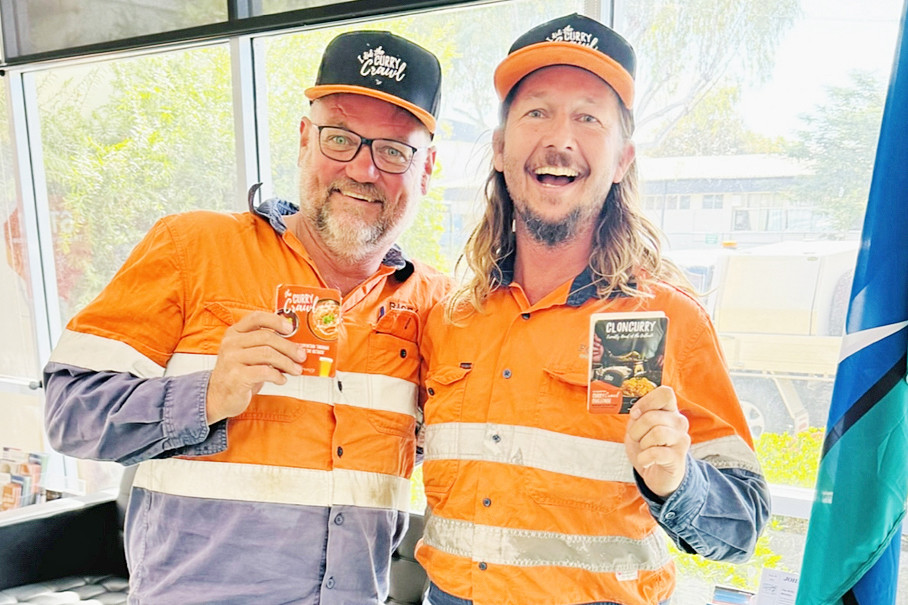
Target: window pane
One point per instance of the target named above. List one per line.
(126, 142)
(18, 353)
(774, 159)
(34, 26)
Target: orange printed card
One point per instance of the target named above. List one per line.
(316, 317)
(627, 353)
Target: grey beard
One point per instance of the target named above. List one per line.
(350, 246)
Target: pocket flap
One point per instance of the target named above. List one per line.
(402, 323)
(572, 377)
(448, 375)
(229, 312)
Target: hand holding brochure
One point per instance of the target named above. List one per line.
(316, 317)
(627, 353)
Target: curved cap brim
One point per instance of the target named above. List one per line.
(528, 59)
(316, 92)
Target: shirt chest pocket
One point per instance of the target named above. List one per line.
(446, 387)
(393, 345)
(282, 406)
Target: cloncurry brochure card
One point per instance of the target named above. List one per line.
(316, 317)
(627, 353)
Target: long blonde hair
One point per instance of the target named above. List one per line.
(627, 248)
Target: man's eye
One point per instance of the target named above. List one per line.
(588, 118)
(393, 153)
(534, 113)
(339, 139)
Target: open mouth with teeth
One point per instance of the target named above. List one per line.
(356, 196)
(555, 175)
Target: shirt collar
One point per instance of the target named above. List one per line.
(582, 288)
(274, 209)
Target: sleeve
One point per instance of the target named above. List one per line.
(106, 394)
(723, 502)
(716, 513)
(120, 417)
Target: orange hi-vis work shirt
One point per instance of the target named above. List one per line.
(532, 499)
(300, 498)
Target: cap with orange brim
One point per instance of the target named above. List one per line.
(383, 66)
(574, 40)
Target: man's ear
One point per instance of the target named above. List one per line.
(498, 149)
(625, 161)
(428, 168)
(305, 128)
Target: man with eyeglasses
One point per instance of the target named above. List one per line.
(258, 482)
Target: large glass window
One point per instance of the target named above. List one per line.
(761, 114)
(36, 26)
(126, 142)
(20, 405)
(18, 353)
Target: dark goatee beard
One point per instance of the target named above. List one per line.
(546, 232)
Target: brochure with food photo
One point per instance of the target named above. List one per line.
(316, 317)
(627, 353)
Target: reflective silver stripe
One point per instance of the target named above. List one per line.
(530, 447)
(372, 391)
(727, 452)
(103, 355)
(565, 454)
(526, 548)
(275, 484)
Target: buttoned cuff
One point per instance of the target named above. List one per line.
(676, 512)
(186, 427)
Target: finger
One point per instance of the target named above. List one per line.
(663, 436)
(268, 357)
(652, 420)
(665, 457)
(660, 398)
(263, 337)
(262, 319)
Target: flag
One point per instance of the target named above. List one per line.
(852, 551)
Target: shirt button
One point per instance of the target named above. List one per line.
(403, 353)
(431, 391)
(329, 583)
(486, 502)
(669, 515)
(496, 438)
(340, 451)
(339, 519)
(506, 373)
(525, 315)
(482, 565)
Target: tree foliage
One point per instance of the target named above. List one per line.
(125, 143)
(689, 50)
(714, 126)
(839, 144)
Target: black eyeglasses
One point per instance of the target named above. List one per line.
(342, 145)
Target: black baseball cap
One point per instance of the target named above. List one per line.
(384, 66)
(573, 40)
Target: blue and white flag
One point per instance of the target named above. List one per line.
(852, 551)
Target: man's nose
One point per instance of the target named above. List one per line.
(361, 168)
(559, 132)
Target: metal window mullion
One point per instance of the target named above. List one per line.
(246, 126)
(32, 190)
